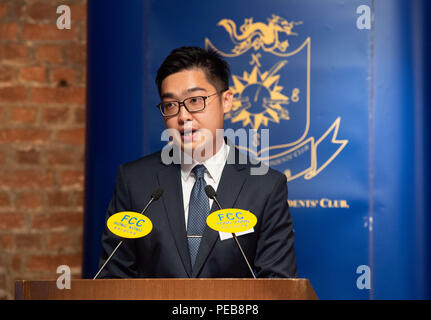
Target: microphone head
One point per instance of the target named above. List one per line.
(209, 190)
(157, 193)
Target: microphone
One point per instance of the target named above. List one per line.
(155, 195)
(210, 192)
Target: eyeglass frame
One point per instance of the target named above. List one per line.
(159, 106)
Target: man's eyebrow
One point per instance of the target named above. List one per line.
(196, 89)
(169, 95)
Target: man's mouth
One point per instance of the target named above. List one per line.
(189, 135)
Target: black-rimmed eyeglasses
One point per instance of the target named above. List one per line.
(192, 104)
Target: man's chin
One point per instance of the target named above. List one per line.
(197, 150)
(190, 147)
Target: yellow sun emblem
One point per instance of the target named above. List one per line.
(258, 97)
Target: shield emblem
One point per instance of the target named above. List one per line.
(270, 80)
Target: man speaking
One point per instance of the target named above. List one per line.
(193, 85)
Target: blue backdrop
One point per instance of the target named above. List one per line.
(345, 109)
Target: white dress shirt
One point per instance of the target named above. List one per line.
(214, 168)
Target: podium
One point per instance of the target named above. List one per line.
(168, 289)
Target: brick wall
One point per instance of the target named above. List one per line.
(42, 132)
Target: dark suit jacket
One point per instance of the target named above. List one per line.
(164, 252)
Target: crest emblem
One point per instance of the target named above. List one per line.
(271, 87)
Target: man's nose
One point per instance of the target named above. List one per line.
(183, 114)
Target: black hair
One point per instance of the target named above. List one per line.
(216, 69)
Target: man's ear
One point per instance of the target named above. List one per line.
(227, 100)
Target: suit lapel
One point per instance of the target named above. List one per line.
(229, 187)
(170, 180)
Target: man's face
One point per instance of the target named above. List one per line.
(197, 128)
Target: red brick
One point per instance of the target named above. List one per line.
(3, 10)
(82, 157)
(35, 55)
(35, 136)
(13, 94)
(71, 136)
(46, 32)
(72, 178)
(23, 114)
(4, 199)
(14, 52)
(17, 263)
(60, 157)
(63, 74)
(55, 115)
(80, 115)
(64, 240)
(42, 11)
(33, 73)
(76, 53)
(7, 241)
(84, 76)
(28, 157)
(31, 178)
(7, 74)
(80, 199)
(78, 12)
(2, 155)
(8, 31)
(57, 220)
(58, 95)
(28, 241)
(51, 262)
(61, 199)
(11, 221)
(84, 35)
(29, 200)
(19, 9)
(2, 114)
(49, 53)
